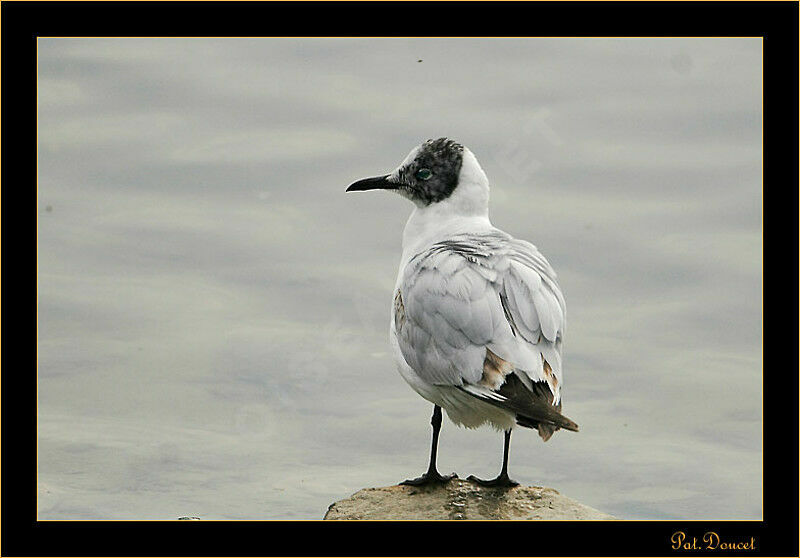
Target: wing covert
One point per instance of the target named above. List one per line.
(474, 293)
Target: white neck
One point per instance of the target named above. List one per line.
(467, 209)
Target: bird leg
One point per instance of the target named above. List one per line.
(432, 476)
(503, 478)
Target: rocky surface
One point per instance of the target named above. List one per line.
(461, 499)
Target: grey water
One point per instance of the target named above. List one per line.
(213, 308)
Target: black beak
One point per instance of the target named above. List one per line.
(375, 183)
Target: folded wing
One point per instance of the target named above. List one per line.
(485, 313)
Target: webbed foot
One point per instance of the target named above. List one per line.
(502, 480)
(431, 477)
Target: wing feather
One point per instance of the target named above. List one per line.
(471, 293)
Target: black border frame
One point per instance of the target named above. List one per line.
(23, 22)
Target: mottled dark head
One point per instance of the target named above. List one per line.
(429, 174)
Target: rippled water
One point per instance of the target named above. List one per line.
(213, 309)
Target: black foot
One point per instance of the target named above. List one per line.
(430, 478)
(501, 480)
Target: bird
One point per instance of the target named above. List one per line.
(477, 316)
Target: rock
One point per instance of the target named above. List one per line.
(460, 499)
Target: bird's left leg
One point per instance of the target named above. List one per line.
(432, 475)
(502, 479)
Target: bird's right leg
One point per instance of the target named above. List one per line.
(432, 475)
(502, 479)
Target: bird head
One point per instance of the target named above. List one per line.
(437, 171)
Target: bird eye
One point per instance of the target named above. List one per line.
(423, 174)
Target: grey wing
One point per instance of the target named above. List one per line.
(485, 313)
(475, 293)
(536, 310)
(450, 312)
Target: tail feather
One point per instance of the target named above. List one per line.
(533, 409)
(554, 418)
(546, 419)
(545, 429)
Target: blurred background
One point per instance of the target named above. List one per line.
(213, 309)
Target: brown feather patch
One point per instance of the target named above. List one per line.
(399, 311)
(495, 370)
(551, 378)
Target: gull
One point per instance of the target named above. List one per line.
(477, 316)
